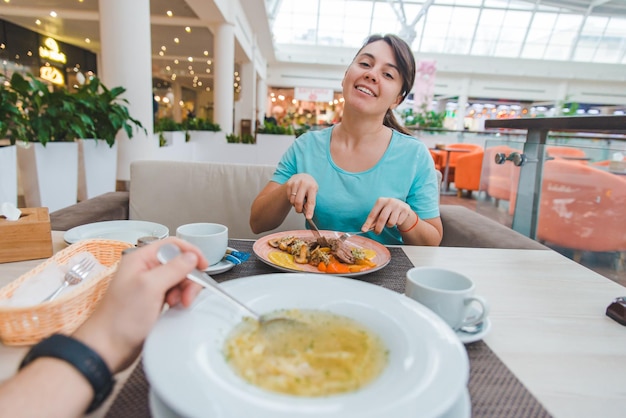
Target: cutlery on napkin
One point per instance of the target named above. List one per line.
(34, 289)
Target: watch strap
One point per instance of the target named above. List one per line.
(83, 358)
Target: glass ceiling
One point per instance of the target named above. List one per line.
(494, 28)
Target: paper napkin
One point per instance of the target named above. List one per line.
(38, 287)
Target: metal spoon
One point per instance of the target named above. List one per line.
(169, 251)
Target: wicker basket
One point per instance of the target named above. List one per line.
(30, 324)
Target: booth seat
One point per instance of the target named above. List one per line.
(174, 193)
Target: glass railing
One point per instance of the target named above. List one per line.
(434, 137)
(566, 189)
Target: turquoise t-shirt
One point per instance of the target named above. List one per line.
(406, 172)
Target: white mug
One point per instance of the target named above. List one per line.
(447, 293)
(210, 238)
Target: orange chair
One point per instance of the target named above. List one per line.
(567, 153)
(582, 208)
(498, 178)
(468, 171)
(454, 157)
(437, 159)
(605, 163)
(578, 156)
(602, 163)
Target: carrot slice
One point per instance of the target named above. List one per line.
(321, 267)
(337, 267)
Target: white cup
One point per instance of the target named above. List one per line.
(447, 293)
(211, 239)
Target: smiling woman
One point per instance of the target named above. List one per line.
(366, 172)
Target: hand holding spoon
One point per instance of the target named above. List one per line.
(169, 251)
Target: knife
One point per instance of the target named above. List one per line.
(314, 228)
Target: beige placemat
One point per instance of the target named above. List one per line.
(494, 391)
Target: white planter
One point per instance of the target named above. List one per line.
(8, 175)
(272, 147)
(97, 168)
(49, 174)
(237, 153)
(205, 143)
(176, 149)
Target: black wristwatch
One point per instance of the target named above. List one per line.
(83, 358)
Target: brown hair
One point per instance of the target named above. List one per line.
(406, 66)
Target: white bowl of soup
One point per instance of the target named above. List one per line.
(189, 366)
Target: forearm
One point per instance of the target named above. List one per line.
(426, 232)
(47, 387)
(269, 209)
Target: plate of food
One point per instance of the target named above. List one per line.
(300, 251)
(199, 363)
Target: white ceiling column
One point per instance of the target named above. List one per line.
(177, 91)
(261, 99)
(126, 61)
(247, 97)
(224, 67)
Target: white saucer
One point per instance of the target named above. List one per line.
(467, 338)
(220, 267)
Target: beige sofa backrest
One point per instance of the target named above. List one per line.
(174, 193)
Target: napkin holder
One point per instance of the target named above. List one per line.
(28, 238)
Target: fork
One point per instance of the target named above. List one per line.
(74, 275)
(344, 236)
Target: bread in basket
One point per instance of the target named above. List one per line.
(30, 324)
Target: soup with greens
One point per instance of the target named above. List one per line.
(319, 354)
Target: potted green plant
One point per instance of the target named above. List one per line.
(108, 114)
(240, 139)
(163, 125)
(106, 110)
(274, 129)
(53, 122)
(424, 118)
(174, 140)
(48, 114)
(47, 152)
(200, 124)
(233, 138)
